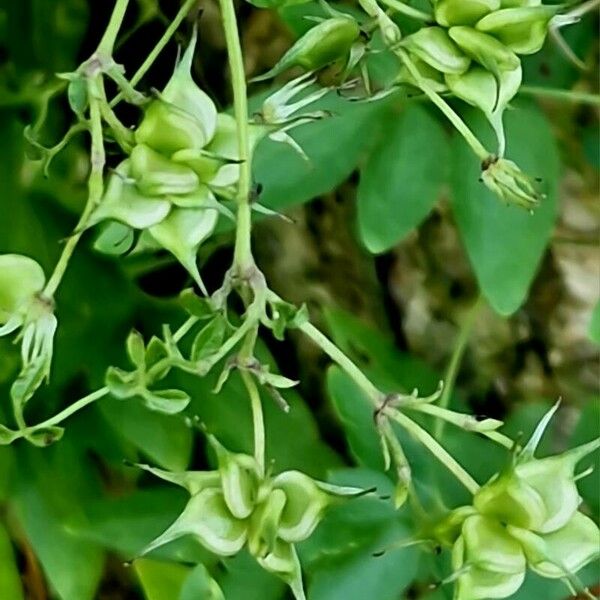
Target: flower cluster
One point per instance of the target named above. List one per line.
(526, 516)
(184, 155)
(473, 51)
(237, 506)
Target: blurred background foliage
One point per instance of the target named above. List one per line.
(401, 255)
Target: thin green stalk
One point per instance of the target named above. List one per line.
(70, 410)
(343, 361)
(409, 11)
(243, 259)
(471, 139)
(160, 45)
(95, 183)
(455, 361)
(107, 43)
(258, 421)
(436, 449)
(560, 95)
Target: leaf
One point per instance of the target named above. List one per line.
(594, 329)
(160, 580)
(162, 438)
(294, 181)
(200, 584)
(195, 305)
(402, 180)
(10, 580)
(244, 579)
(136, 349)
(495, 234)
(209, 339)
(351, 534)
(52, 490)
(169, 402)
(114, 238)
(122, 384)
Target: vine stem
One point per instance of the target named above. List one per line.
(107, 43)
(243, 259)
(456, 360)
(95, 182)
(160, 45)
(560, 95)
(258, 420)
(436, 449)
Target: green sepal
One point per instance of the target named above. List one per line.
(563, 552)
(182, 232)
(240, 477)
(156, 175)
(463, 12)
(327, 42)
(183, 116)
(283, 562)
(434, 46)
(523, 30)
(207, 518)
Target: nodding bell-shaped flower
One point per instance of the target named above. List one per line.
(522, 29)
(487, 561)
(509, 183)
(463, 12)
(329, 41)
(21, 280)
(539, 495)
(183, 116)
(434, 46)
(560, 554)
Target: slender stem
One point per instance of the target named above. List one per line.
(477, 147)
(243, 252)
(152, 56)
(343, 361)
(184, 328)
(95, 182)
(561, 95)
(409, 11)
(107, 43)
(455, 361)
(436, 449)
(258, 421)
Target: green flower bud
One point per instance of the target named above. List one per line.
(480, 88)
(156, 175)
(509, 183)
(183, 117)
(329, 41)
(433, 77)
(537, 494)
(434, 47)
(488, 562)
(240, 477)
(463, 12)
(563, 552)
(123, 202)
(208, 519)
(21, 278)
(182, 232)
(307, 500)
(523, 30)
(283, 562)
(484, 49)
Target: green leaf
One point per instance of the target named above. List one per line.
(505, 243)
(209, 338)
(244, 579)
(53, 488)
(169, 402)
(164, 439)
(136, 349)
(200, 584)
(402, 179)
(160, 580)
(594, 329)
(10, 580)
(294, 181)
